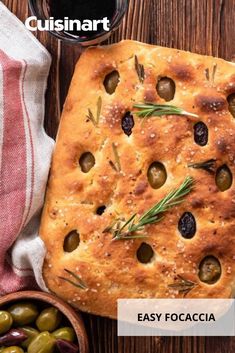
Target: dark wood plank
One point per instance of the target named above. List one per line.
(202, 26)
(53, 105)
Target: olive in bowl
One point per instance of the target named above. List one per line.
(37, 322)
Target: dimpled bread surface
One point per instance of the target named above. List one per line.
(110, 269)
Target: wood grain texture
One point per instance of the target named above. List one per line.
(202, 26)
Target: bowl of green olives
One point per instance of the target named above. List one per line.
(38, 322)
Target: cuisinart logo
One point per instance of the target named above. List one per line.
(34, 24)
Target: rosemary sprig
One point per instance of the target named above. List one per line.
(182, 285)
(147, 110)
(78, 283)
(116, 229)
(91, 117)
(117, 165)
(128, 229)
(140, 70)
(208, 165)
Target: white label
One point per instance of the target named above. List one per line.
(176, 317)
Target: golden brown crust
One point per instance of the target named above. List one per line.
(111, 269)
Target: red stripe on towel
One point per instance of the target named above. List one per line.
(13, 166)
(31, 150)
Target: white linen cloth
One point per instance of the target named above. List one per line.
(25, 153)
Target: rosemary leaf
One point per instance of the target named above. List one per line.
(78, 283)
(140, 70)
(214, 72)
(208, 165)
(128, 221)
(127, 236)
(117, 163)
(113, 166)
(183, 285)
(109, 228)
(99, 107)
(150, 109)
(207, 74)
(91, 116)
(151, 216)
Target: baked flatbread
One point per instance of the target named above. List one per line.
(100, 177)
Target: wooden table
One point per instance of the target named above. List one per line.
(202, 26)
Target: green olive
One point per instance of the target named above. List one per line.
(43, 343)
(145, 253)
(231, 104)
(86, 161)
(209, 270)
(5, 321)
(223, 178)
(71, 241)
(12, 349)
(49, 319)
(157, 175)
(23, 313)
(166, 88)
(31, 333)
(111, 81)
(65, 333)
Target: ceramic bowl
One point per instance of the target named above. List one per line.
(73, 317)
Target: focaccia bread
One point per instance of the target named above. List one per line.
(110, 164)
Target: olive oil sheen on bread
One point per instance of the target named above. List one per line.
(83, 10)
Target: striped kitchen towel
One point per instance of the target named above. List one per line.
(25, 153)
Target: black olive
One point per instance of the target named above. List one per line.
(231, 104)
(86, 161)
(100, 210)
(187, 225)
(157, 175)
(166, 88)
(71, 241)
(145, 253)
(65, 346)
(209, 270)
(200, 133)
(111, 81)
(128, 123)
(223, 178)
(13, 337)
